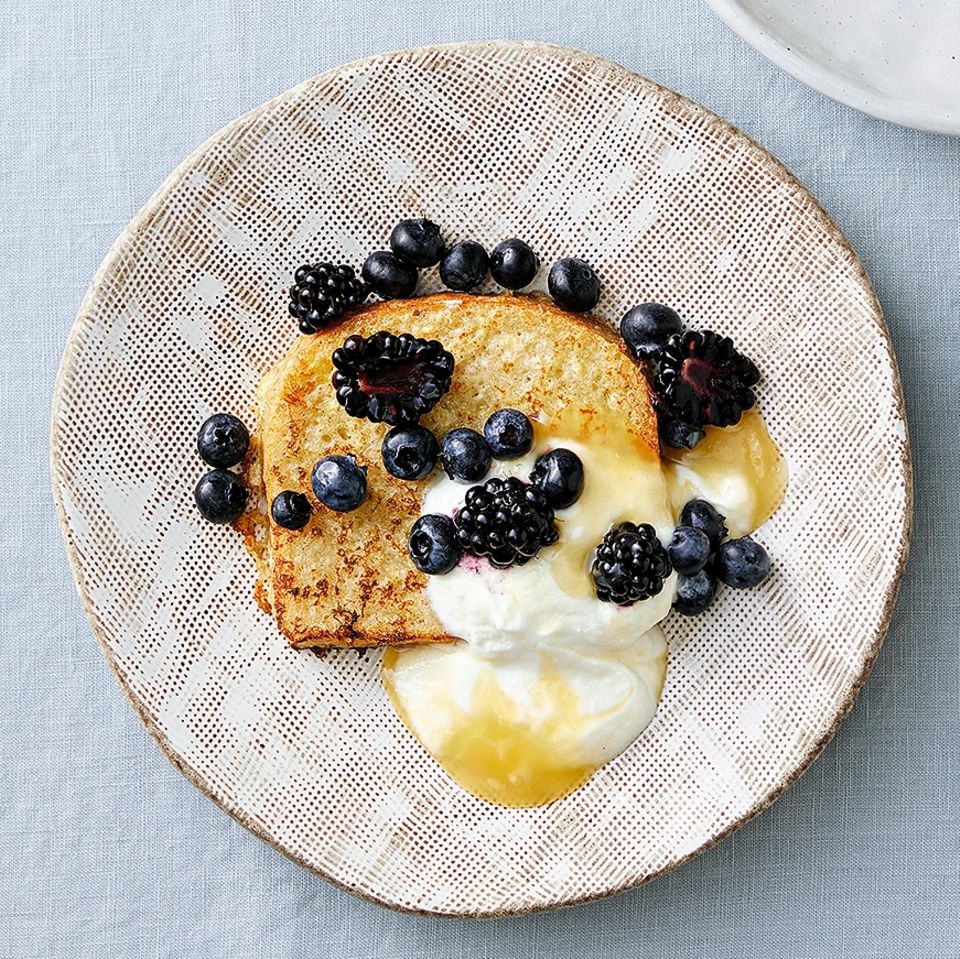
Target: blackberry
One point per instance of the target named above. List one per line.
(677, 434)
(630, 565)
(505, 520)
(389, 378)
(702, 380)
(322, 293)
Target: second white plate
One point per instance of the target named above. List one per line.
(894, 59)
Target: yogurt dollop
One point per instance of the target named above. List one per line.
(547, 683)
(550, 602)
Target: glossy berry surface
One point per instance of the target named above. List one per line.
(742, 563)
(701, 379)
(418, 242)
(223, 440)
(689, 550)
(631, 565)
(701, 515)
(505, 520)
(290, 509)
(646, 328)
(389, 276)
(573, 285)
(339, 482)
(464, 266)
(513, 264)
(220, 496)
(433, 544)
(509, 434)
(322, 293)
(558, 474)
(389, 378)
(679, 435)
(694, 593)
(410, 452)
(465, 455)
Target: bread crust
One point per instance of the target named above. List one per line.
(346, 579)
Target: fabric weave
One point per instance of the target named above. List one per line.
(103, 842)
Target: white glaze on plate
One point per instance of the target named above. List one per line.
(895, 59)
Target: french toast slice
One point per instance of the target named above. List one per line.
(346, 579)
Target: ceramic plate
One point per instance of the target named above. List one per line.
(580, 157)
(895, 59)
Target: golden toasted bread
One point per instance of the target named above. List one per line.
(346, 579)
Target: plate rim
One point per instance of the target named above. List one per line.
(142, 218)
(904, 112)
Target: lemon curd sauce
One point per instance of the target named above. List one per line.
(547, 683)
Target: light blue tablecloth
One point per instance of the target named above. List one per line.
(105, 850)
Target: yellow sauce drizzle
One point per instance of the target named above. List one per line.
(623, 469)
(493, 749)
(495, 753)
(746, 451)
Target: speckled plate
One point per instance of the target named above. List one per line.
(895, 59)
(579, 156)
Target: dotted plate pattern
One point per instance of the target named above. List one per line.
(580, 157)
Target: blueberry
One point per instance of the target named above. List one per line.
(433, 544)
(389, 276)
(645, 328)
(742, 563)
(559, 476)
(513, 264)
(464, 266)
(680, 435)
(418, 242)
(573, 285)
(290, 509)
(410, 452)
(220, 496)
(509, 434)
(694, 593)
(689, 550)
(339, 483)
(465, 455)
(699, 514)
(223, 440)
